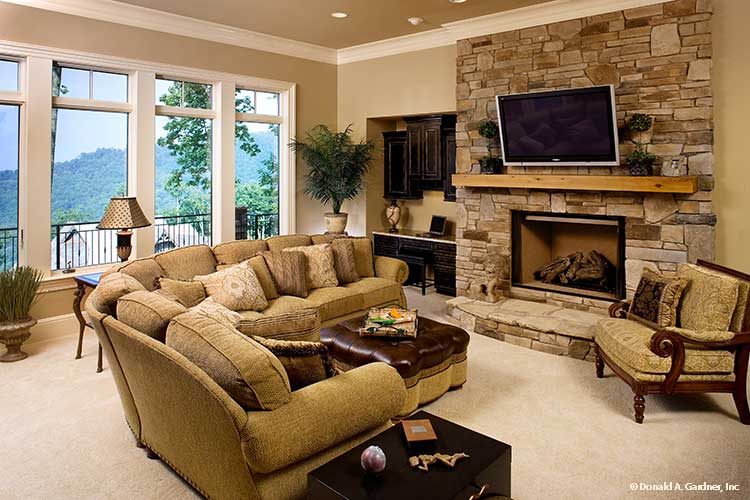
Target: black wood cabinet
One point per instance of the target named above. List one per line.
(442, 255)
(429, 154)
(449, 160)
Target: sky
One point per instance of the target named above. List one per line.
(8, 137)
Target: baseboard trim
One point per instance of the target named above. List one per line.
(54, 327)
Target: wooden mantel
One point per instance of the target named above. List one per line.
(652, 184)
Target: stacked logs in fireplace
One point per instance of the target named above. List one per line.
(589, 270)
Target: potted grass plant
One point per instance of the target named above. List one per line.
(18, 292)
(336, 169)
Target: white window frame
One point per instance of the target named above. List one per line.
(18, 98)
(36, 100)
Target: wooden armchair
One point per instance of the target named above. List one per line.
(682, 360)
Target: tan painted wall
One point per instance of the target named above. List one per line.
(731, 114)
(406, 84)
(316, 82)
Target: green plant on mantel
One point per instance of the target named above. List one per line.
(488, 164)
(639, 122)
(641, 162)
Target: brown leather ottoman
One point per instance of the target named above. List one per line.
(430, 364)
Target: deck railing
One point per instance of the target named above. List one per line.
(256, 226)
(81, 244)
(8, 248)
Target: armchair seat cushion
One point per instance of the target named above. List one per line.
(377, 291)
(629, 342)
(640, 376)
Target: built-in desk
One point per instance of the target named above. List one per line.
(442, 250)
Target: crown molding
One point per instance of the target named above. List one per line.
(524, 17)
(151, 19)
(447, 34)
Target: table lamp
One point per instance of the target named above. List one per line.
(123, 214)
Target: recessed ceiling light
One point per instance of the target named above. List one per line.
(339, 15)
(457, 1)
(415, 21)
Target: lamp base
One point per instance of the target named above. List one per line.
(124, 248)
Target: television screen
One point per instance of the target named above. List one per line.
(576, 126)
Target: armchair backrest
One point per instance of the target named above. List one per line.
(741, 316)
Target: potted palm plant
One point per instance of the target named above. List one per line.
(18, 289)
(337, 167)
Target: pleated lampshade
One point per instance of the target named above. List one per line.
(123, 213)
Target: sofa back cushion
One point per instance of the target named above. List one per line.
(188, 293)
(111, 288)
(278, 243)
(145, 270)
(148, 312)
(236, 288)
(234, 252)
(709, 300)
(249, 373)
(186, 262)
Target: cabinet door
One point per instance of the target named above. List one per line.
(396, 159)
(432, 166)
(449, 161)
(415, 134)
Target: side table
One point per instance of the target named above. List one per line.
(82, 283)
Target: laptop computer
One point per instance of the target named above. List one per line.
(437, 227)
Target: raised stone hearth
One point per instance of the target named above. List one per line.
(544, 327)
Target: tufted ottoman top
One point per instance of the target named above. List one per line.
(435, 343)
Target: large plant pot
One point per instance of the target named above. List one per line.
(641, 136)
(13, 335)
(336, 223)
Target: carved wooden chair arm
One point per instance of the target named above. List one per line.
(619, 309)
(670, 343)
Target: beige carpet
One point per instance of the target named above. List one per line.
(63, 435)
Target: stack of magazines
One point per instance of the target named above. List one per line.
(390, 322)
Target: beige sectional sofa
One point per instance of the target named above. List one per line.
(182, 415)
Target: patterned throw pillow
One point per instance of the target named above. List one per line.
(344, 261)
(288, 272)
(188, 293)
(305, 362)
(236, 288)
(657, 299)
(320, 270)
(217, 311)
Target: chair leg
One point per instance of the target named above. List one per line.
(740, 400)
(424, 280)
(151, 455)
(599, 365)
(639, 404)
(740, 384)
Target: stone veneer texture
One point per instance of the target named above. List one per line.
(659, 60)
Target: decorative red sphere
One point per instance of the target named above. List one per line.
(373, 459)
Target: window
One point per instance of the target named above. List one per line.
(89, 164)
(9, 135)
(8, 75)
(256, 165)
(183, 164)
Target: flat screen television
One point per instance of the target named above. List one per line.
(560, 127)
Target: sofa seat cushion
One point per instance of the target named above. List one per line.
(186, 262)
(335, 301)
(279, 243)
(249, 373)
(630, 342)
(376, 291)
(709, 300)
(299, 324)
(148, 312)
(234, 252)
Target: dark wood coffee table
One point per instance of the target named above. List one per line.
(489, 464)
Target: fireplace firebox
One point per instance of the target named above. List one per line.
(575, 254)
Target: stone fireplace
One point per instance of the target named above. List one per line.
(578, 254)
(658, 58)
